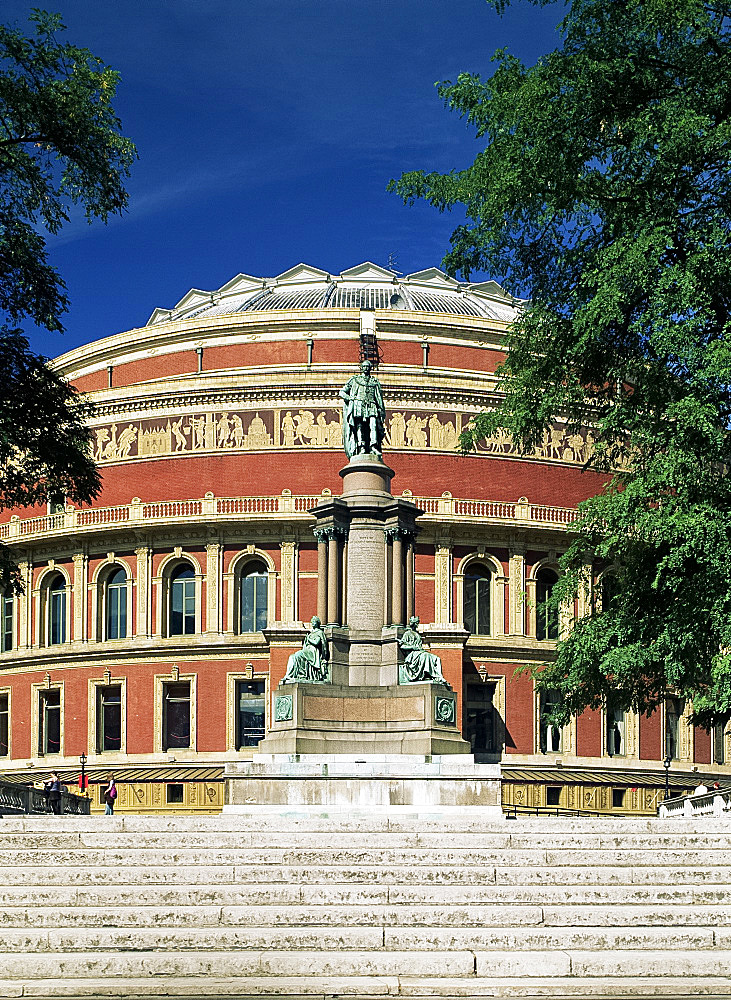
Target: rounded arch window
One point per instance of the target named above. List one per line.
(476, 600)
(115, 594)
(546, 615)
(253, 597)
(181, 619)
(56, 609)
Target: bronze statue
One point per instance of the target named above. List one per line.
(310, 664)
(419, 665)
(364, 415)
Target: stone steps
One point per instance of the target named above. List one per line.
(373, 906)
(381, 988)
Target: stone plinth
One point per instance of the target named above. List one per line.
(367, 476)
(340, 719)
(366, 782)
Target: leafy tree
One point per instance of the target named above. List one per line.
(602, 195)
(60, 146)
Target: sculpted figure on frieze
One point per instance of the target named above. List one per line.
(364, 415)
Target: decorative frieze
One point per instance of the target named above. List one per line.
(266, 429)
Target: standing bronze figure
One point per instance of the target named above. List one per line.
(364, 415)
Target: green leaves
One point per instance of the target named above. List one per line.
(602, 194)
(60, 145)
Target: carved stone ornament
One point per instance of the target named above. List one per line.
(283, 708)
(445, 711)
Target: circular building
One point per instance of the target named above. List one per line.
(148, 632)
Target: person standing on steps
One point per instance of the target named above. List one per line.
(110, 796)
(53, 787)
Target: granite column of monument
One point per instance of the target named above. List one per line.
(321, 537)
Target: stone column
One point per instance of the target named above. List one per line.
(344, 582)
(321, 575)
(410, 604)
(397, 605)
(333, 578)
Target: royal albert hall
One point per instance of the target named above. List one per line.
(150, 634)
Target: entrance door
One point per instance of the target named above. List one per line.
(482, 721)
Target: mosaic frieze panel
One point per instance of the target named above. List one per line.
(263, 430)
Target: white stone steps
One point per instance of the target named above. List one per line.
(317, 906)
(376, 988)
(356, 938)
(354, 894)
(326, 857)
(97, 965)
(453, 964)
(487, 915)
(544, 828)
(599, 894)
(275, 915)
(222, 876)
(320, 840)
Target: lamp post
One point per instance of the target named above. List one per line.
(82, 779)
(667, 760)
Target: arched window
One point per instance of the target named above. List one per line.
(115, 596)
(181, 619)
(476, 603)
(546, 617)
(56, 610)
(6, 622)
(253, 597)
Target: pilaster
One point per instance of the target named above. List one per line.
(144, 589)
(443, 582)
(288, 580)
(25, 635)
(516, 592)
(81, 566)
(214, 581)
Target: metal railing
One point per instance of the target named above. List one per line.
(512, 811)
(17, 799)
(286, 504)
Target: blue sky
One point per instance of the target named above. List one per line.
(267, 131)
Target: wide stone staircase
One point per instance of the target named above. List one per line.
(364, 906)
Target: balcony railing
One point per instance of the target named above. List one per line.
(714, 803)
(284, 505)
(17, 799)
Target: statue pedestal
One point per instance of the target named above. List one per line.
(334, 719)
(365, 595)
(367, 784)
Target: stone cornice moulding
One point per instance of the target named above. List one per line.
(273, 325)
(284, 387)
